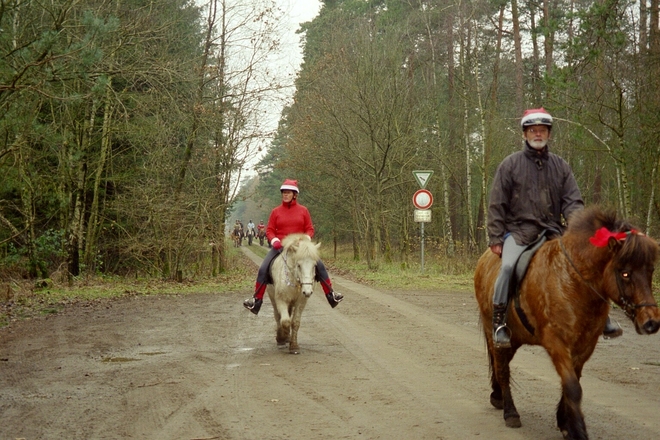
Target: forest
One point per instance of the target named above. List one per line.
(128, 127)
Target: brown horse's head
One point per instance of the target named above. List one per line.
(629, 258)
(631, 270)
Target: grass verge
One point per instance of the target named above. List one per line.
(28, 300)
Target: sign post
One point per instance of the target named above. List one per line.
(422, 199)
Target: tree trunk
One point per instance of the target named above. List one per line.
(517, 43)
(93, 224)
(548, 36)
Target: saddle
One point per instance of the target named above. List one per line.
(519, 271)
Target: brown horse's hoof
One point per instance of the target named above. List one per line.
(497, 403)
(513, 422)
(294, 351)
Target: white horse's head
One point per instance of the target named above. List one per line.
(302, 255)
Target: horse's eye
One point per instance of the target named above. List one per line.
(625, 275)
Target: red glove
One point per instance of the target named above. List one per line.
(277, 245)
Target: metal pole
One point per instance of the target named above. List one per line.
(422, 233)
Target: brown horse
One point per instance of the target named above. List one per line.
(565, 297)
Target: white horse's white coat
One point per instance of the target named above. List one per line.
(293, 275)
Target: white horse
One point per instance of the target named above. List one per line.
(293, 275)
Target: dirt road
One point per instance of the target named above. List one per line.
(382, 365)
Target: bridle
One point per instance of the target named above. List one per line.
(629, 308)
(288, 271)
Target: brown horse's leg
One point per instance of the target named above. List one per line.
(496, 394)
(501, 359)
(570, 419)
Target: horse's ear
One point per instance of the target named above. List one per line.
(613, 244)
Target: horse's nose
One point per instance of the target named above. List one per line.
(651, 326)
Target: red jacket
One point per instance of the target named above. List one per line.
(289, 218)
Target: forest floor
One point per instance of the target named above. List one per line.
(382, 365)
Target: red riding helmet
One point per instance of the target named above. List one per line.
(291, 185)
(536, 116)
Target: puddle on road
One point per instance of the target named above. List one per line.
(118, 359)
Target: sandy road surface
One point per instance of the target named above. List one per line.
(382, 365)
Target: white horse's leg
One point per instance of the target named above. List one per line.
(283, 321)
(298, 308)
(281, 335)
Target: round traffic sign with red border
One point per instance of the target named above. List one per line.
(422, 199)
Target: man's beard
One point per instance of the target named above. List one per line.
(538, 145)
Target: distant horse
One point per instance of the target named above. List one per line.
(250, 235)
(262, 235)
(237, 237)
(565, 300)
(293, 275)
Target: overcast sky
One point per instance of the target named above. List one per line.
(287, 64)
(297, 11)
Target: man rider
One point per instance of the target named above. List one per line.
(533, 190)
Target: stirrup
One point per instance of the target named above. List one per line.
(253, 305)
(502, 336)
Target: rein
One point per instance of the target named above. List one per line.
(628, 307)
(587, 283)
(288, 271)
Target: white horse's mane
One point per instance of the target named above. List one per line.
(301, 245)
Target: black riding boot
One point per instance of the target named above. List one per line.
(253, 305)
(612, 329)
(501, 333)
(334, 298)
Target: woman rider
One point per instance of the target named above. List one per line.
(288, 218)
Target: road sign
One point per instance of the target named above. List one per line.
(422, 216)
(422, 177)
(422, 199)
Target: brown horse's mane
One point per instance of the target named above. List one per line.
(636, 249)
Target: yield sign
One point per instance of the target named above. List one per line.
(422, 177)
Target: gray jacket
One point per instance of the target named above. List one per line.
(531, 192)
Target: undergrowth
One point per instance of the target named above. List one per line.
(27, 299)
